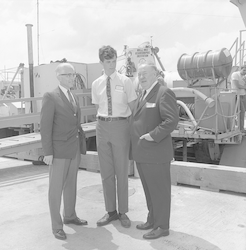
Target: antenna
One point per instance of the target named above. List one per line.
(151, 41)
(38, 29)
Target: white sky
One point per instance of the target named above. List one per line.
(76, 29)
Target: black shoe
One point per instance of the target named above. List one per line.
(106, 219)
(77, 221)
(60, 234)
(145, 226)
(124, 220)
(156, 233)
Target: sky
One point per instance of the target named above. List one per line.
(76, 29)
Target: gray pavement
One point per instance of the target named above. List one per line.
(200, 220)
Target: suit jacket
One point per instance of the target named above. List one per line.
(60, 126)
(158, 116)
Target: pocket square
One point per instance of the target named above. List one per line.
(150, 105)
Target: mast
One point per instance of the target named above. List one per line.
(38, 29)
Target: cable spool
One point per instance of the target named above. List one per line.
(208, 64)
(191, 107)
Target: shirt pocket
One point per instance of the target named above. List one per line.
(120, 96)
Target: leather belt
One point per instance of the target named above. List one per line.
(110, 119)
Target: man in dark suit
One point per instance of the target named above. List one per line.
(63, 141)
(154, 117)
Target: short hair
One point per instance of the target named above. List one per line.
(107, 52)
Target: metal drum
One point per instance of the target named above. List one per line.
(210, 64)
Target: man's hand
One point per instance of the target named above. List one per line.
(147, 137)
(48, 159)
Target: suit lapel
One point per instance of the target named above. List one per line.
(140, 104)
(64, 99)
(152, 92)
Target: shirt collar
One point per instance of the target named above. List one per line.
(112, 76)
(149, 89)
(64, 90)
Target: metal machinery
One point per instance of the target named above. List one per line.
(211, 126)
(128, 62)
(209, 109)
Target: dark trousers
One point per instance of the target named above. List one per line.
(242, 111)
(156, 183)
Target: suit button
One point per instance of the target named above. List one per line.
(77, 136)
(74, 114)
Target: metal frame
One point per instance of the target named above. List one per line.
(232, 135)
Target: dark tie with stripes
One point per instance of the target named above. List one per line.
(143, 94)
(72, 100)
(141, 97)
(109, 96)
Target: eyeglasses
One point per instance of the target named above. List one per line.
(69, 75)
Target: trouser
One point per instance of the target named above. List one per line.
(156, 183)
(63, 181)
(242, 111)
(113, 142)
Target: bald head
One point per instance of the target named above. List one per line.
(64, 68)
(149, 65)
(65, 74)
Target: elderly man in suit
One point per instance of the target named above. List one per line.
(63, 141)
(154, 117)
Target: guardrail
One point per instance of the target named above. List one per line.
(29, 114)
(29, 117)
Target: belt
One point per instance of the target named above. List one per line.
(111, 119)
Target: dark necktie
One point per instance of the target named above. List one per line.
(108, 88)
(141, 98)
(72, 100)
(143, 94)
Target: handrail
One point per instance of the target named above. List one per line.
(239, 50)
(34, 117)
(29, 99)
(236, 51)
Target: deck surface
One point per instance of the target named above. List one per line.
(200, 220)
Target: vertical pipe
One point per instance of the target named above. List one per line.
(33, 105)
(38, 29)
(30, 57)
